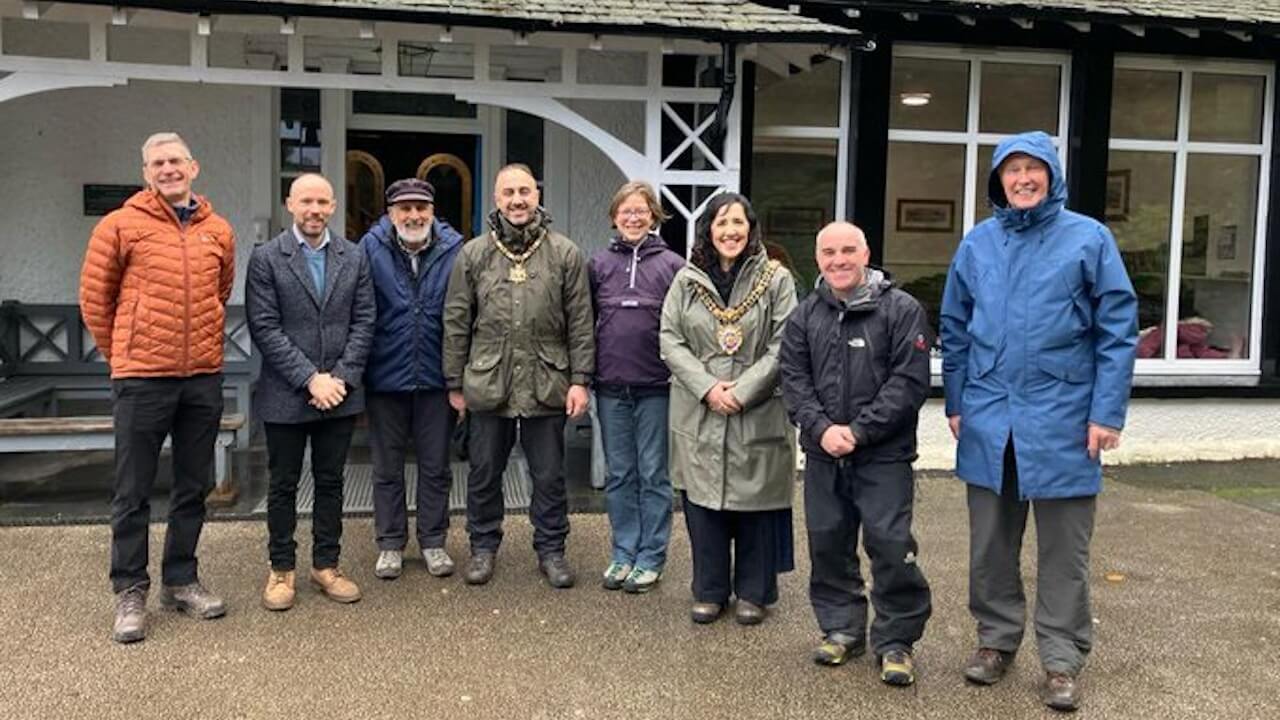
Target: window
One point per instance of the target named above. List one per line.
(299, 135)
(948, 108)
(1185, 200)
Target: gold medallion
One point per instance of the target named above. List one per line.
(730, 337)
(517, 274)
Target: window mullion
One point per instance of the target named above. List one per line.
(1175, 221)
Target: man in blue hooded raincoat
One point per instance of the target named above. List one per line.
(1039, 333)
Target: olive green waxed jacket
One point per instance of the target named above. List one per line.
(745, 461)
(512, 348)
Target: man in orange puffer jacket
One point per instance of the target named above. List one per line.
(153, 291)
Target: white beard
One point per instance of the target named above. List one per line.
(414, 235)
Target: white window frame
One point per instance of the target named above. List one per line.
(1181, 148)
(970, 137)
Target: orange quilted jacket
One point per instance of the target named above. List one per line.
(153, 292)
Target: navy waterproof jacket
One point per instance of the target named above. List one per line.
(406, 353)
(1039, 334)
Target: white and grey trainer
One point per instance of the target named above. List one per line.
(439, 564)
(389, 565)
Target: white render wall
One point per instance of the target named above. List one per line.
(52, 144)
(1157, 431)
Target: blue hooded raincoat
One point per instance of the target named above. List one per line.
(1039, 334)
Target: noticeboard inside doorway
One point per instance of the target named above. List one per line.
(102, 199)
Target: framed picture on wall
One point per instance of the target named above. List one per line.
(794, 221)
(926, 215)
(1117, 209)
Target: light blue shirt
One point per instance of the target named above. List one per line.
(315, 257)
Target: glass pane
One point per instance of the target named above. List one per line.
(922, 218)
(1226, 108)
(1017, 98)
(794, 186)
(1144, 104)
(981, 198)
(1217, 256)
(1140, 213)
(928, 94)
(419, 104)
(805, 98)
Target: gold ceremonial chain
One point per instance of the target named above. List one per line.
(730, 334)
(517, 273)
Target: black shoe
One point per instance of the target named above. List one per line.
(1060, 692)
(479, 569)
(837, 648)
(193, 599)
(557, 570)
(705, 612)
(987, 666)
(748, 613)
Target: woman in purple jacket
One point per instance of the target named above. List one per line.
(629, 280)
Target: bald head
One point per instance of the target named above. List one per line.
(311, 203)
(842, 253)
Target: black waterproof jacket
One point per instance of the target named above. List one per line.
(865, 365)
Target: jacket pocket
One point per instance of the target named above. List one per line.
(766, 423)
(981, 360)
(1069, 366)
(486, 378)
(552, 375)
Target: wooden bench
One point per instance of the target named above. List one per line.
(26, 395)
(54, 434)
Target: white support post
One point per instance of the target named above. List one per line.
(297, 54)
(480, 58)
(97, 42)
(569, 66)
(262, 163)
(199, 49)
(653, 117)
(333, 148)
(390, 57)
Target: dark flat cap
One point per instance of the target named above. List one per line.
(410, 189)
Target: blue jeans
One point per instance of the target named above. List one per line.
(638, 490)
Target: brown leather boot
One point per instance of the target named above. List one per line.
(279, 593)
(334, 585)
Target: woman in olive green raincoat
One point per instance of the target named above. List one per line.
(732, 448)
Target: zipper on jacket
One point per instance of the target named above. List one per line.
(186, 306)
(843, 377)
(635, 260)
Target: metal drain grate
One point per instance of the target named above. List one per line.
(358, 487)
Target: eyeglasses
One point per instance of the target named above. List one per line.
(635, 212)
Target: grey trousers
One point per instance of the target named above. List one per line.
(422, 420)
(1064, 624)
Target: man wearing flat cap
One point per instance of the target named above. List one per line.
(411, 254)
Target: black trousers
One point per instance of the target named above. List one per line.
(286, 446)
(840, 498)
(397, 420)
(144, 411)
(489, 447)
(738, 552)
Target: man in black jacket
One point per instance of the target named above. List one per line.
(855, 371)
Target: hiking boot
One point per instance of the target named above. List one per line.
(439, 564)
(334, 585)
(193, 599)
(705, 612)
(987, 666)
(749, 613)
(1060, 691)
(837, 648)
(390, 564)
(615, 575)
(556, 568)
(897, 668)
(131, 615)
(279, 593)
(479, 568)
(641, 580)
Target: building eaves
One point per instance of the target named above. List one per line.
(1227, 12)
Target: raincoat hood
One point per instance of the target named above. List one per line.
(1039, 146)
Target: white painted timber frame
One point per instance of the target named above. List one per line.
(29, 75)
(1181, 149)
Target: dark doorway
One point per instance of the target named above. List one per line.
(378, 158)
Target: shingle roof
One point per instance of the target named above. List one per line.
(1228, 11)
(721, 17)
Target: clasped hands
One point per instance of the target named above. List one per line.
(720, 399)
(327, 391)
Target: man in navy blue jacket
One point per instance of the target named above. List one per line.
(411, 254)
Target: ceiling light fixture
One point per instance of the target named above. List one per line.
(916, 99)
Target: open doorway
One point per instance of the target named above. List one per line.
(377, 158)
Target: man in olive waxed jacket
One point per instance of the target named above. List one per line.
(519, 348)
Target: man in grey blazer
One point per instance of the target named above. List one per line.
(311, 312)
